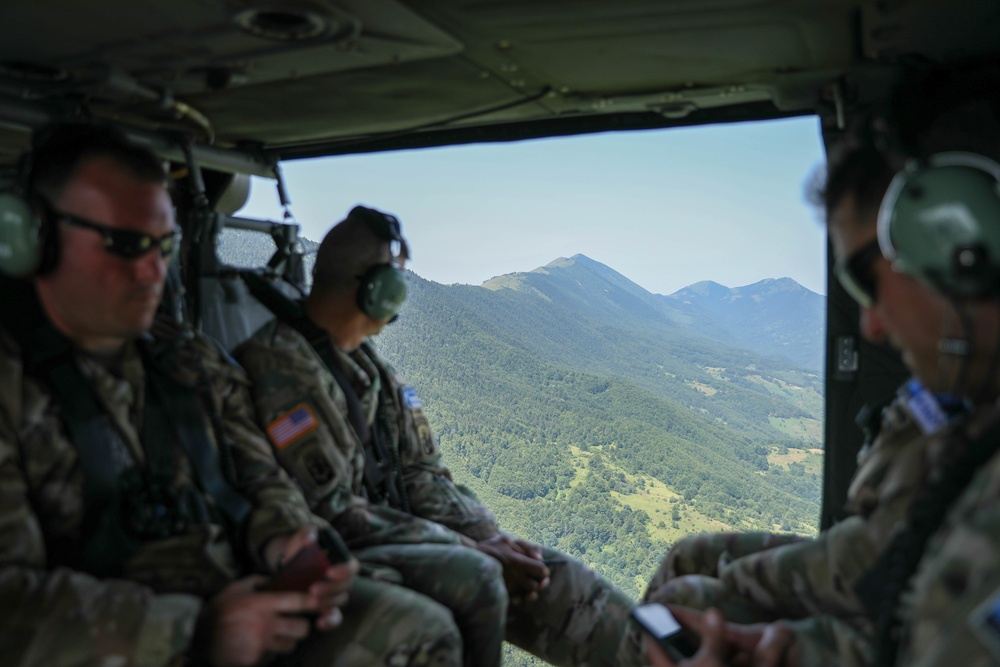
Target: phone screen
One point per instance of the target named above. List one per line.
(310, 563)
(308, 566)
(676, 640)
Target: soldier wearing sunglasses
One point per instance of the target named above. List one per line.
(920, 252)
(754, 578)
(141, 510)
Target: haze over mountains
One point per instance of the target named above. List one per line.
(773, 317)
(607, 421)
(778, 318)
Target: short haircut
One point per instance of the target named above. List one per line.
(59, 150)
(860, 170)
(948, 107)
(933, 108)
(347, 251)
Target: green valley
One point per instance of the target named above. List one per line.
(607, 437)
(608, 422)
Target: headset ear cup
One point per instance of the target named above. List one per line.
(938, 223)
(382, 291)
(23, 234)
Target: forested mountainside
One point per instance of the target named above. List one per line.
(775, 317)
(606, 421)
(581, 419)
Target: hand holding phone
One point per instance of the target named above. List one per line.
(676, 641)
(310, 564)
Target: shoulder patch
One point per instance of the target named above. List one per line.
(984, 622)
(410, 399)
(292, 425)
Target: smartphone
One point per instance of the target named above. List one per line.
(310, 564)
(333, 546)
(676, 641)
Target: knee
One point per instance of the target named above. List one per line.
(487, 579)
(423, 626)
(435, 617)
(691, 590)
(695, 554)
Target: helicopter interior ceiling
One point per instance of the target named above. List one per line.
(302, 78)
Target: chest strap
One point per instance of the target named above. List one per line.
(124, 507)
(380, 462)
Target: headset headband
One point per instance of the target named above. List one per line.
(939, 222)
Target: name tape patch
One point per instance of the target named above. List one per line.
(292, 425)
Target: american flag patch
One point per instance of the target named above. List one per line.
(292, 425)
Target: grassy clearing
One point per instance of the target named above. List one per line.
(657, 501)
(715, 372)
(703, 388)
(810, 430)
(811, 459)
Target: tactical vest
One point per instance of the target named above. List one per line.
(383, 469)
(141, 503)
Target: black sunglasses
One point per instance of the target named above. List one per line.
(125, 243)
(857, 273)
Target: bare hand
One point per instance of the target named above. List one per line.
(241, 626)
(331, 594)
(759, 645)
(523, 570)
(768, 645)
(281, 549)
(713, 651)
(325, 597)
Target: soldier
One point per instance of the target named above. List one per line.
(363, 451)
(763, 577)
(137, 492)
(926, 276)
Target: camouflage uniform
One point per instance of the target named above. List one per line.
(763, 577)
(950, 615)
(57, 612)
(577, 620)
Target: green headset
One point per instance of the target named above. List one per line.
(383, 286)
(27, 245)
(940, 223)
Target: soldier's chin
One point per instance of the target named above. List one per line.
(142, 323)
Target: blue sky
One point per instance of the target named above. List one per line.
(665, 208)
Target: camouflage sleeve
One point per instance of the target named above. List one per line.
(291, 392)
(294, 401)
(707, 553)
(825, 640)
(364, 525)
(432, 493)
(807, 577)
(58, 616)
(278, 504)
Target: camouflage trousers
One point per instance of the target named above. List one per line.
(579, 619)
(467, 582)
(384, 624)
(688, 577)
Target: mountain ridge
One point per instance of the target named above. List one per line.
(790, 325)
